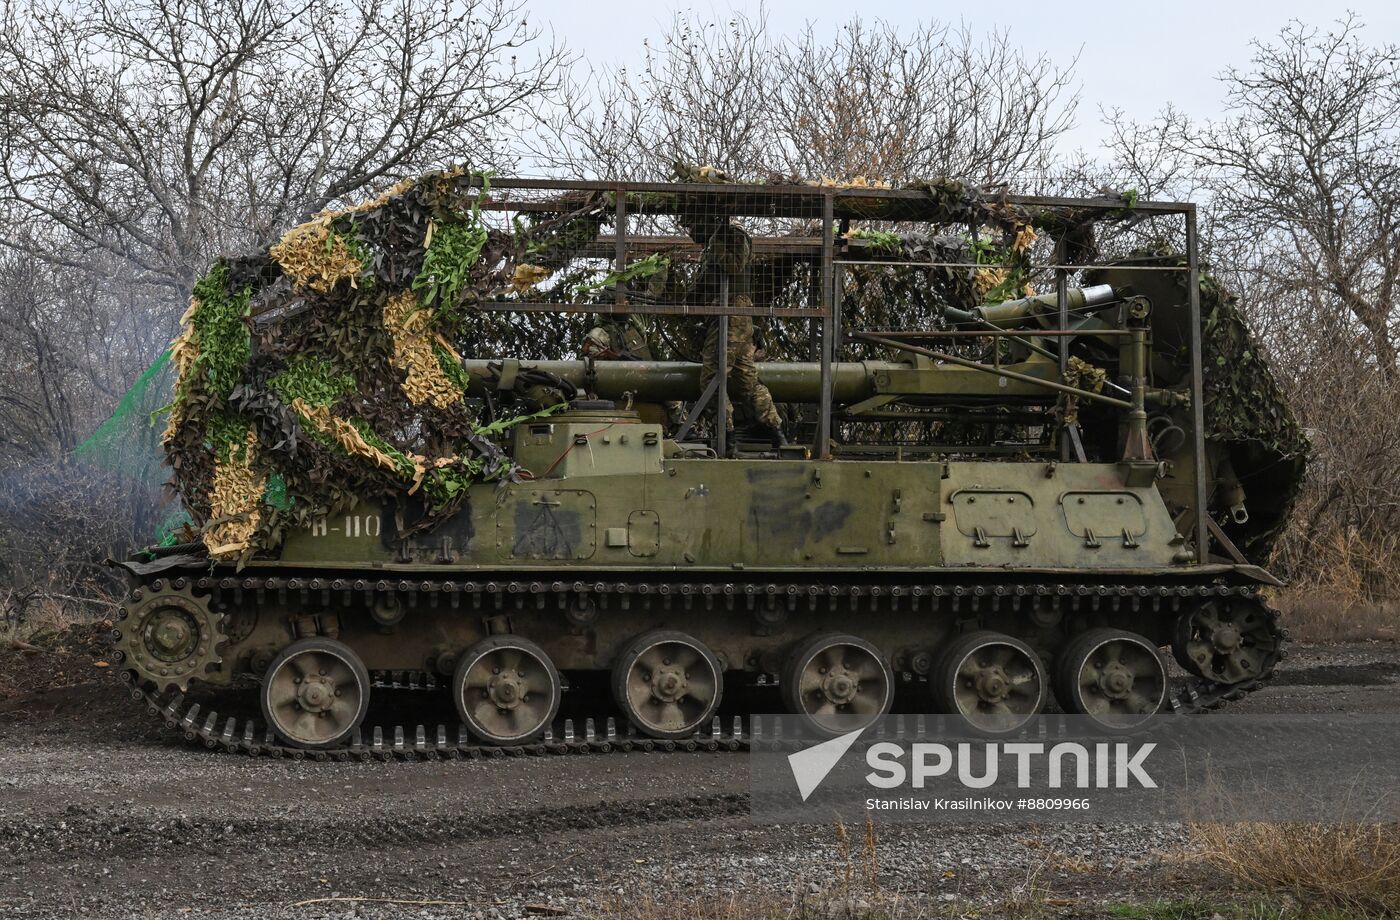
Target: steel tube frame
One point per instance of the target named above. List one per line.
(654, 309)
(1046, 267)
(620, 249)
(989, 369)
(722, 372)
(1198, 409)
(822, 449)
(741, 190)
(831, 202)
(994, 333)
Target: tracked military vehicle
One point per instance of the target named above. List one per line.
(987, 505)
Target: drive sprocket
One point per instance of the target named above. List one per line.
(168, 635)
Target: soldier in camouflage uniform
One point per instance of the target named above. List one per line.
(727, 252)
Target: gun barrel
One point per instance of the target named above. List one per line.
(661, 381)
(1012, 313)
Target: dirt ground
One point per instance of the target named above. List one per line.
(102, 814)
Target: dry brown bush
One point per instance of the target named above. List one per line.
(1320, 615)
(1353, 868)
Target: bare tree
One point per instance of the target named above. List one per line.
(1300, 188)
(1302, 182)
(164, 131)
(702, 97)
(931, 102)
(873, 102)
(141, 138)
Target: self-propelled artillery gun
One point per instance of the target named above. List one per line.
(1016, 473)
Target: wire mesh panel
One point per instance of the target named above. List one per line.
(659, 250)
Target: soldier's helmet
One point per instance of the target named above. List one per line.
(597, 343)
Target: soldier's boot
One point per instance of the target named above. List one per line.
(774, 434)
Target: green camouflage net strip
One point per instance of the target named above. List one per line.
(357, 393)
(1247, 414)
(1243, 399)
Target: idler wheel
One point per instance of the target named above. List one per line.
(838, 683)
(315, 693)
(995, 682)
(1227, 640)
(506, 690)
(1117, 678)
(668, 684)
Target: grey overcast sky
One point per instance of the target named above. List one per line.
(1132, 55)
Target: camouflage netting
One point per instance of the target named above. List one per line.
(1247, 417)
(1245, 410)
(349, 386)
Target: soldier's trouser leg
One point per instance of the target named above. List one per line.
(743, 373)
(742, 382)
(709, 361)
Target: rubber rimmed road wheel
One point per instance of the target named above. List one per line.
(994, 681)
(1117, 678)
(315, 693)
(506, 690)
(668, 684)
(838, 683)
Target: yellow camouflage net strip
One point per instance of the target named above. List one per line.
(314, 257)
(987, 279)
(354, 443)
(1025, 236)
(854, 182)
(389, 194)
(1084, 376)
(411, 330)
(235, 502)
(183, 353)
(392, 192)
(526, 276)
(992, 277)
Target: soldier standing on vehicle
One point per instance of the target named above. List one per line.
(727, 252)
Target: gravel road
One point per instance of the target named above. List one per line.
(103, 816)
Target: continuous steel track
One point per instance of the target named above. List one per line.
(246, 734)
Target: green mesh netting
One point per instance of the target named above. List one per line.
(128, 445)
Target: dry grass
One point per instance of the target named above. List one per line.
(1351, 868)
(35, 618)
(849, 890)
(1314, 614)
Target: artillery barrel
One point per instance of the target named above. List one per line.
(1013, 313)
(659, 381)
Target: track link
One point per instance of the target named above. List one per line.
(600, 735)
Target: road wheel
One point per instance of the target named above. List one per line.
(506, 690)
(838, 683)
(315, 693)
(1115, 677)
(668, 684)
(995, 682)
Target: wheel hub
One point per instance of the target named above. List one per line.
(668, 684)
(992, 685)
(171, 634)
(1226, 637)
(840, 686)
(506, 690)
(1116, 681)
(316, 693)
